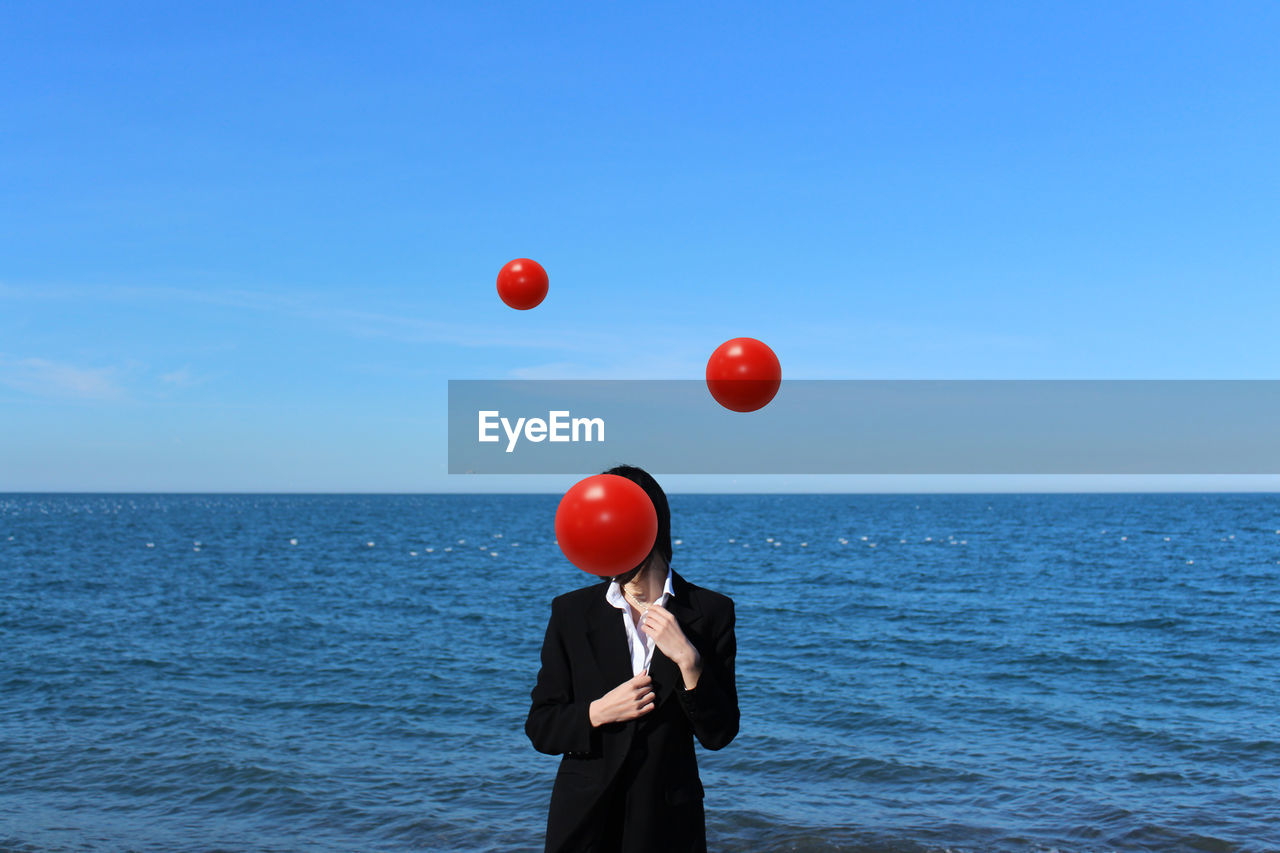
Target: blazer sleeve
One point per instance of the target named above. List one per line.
(712, 705)
(557, 723)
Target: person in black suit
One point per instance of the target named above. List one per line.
(633, 669)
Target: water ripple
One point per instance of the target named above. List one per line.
(999, 673)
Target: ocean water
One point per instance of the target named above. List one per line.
(916, 673)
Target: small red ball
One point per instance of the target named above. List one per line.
(606, 525)
(522, 284)
(743, 375)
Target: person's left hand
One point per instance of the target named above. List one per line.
(665, 630)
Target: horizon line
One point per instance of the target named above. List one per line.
(1269, 491)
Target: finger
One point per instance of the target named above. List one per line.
(659, 625)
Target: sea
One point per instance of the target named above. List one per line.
(916, 673)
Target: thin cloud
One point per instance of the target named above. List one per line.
(45, 378)
(181, 378)
(640, 368)
(405, 325)
(551, 370)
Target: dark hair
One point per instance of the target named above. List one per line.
(642, 478)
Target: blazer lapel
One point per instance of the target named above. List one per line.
(682, 605)
(607, 637)
(666, 675)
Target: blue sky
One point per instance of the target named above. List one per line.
(244, 248)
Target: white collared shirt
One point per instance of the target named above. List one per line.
(640, 643)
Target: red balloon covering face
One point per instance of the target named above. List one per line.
(743, 375)
(606, 525)
(522, 284)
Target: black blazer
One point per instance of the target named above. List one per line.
(584, 656)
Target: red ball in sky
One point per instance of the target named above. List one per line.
(743, 375)
(522, 284)
(606, 525)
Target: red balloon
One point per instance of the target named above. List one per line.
(606, 525)
(522, 284)
(743, 375)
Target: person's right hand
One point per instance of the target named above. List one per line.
(630, 699)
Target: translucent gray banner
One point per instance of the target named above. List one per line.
(869, 427)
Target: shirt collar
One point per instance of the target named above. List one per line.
(613, 594)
